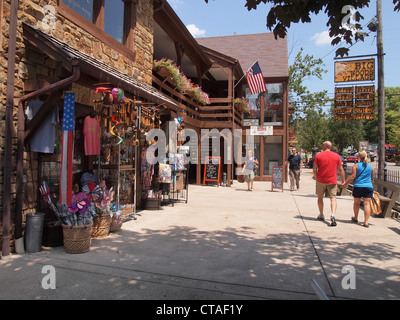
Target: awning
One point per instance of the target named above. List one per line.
(65, 54)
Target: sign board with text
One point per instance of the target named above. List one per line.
(355, 103)
(355, 71)
(262, 130)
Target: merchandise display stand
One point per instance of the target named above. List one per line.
(180, 186)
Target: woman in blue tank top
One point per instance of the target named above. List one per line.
(363, 174)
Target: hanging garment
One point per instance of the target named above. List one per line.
(91, 131)
(45, 136)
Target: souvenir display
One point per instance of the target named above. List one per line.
(165, 174)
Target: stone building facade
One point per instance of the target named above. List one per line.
(33, 69)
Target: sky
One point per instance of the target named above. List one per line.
(230, 17)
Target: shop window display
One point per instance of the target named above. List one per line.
(273, 106)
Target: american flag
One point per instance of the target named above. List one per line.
(255, 79)
(68, 127)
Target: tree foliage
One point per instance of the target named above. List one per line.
(304, 68)
(312, 129)
(285, 12)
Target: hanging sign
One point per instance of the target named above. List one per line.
(262, 130)
(355, 70)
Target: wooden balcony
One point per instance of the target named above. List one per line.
(220, 114)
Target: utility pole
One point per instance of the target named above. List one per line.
(381, 93)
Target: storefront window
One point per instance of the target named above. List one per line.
(273, 104)
(252, 118)
(114, 19)
(83, 7)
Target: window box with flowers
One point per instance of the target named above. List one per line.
(196, 93)
(167, 69)
(242, 105)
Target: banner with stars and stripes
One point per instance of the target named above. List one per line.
(67, 153)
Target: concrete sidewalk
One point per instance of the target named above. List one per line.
(225, 243)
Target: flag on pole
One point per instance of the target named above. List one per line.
(255, 79)
(67, 152)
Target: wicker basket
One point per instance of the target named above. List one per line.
(77, 239)
(240, 178)
(101, 226)
(116, 224)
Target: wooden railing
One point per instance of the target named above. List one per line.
(219, 114)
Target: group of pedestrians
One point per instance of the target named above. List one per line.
(326, 165)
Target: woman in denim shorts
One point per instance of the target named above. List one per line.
(363, 173)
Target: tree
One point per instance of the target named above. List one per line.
(312, 129)
(285, 12)
(392, 119)
(344, 133)
(300, 97)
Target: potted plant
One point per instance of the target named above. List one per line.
(242, 105)
(167, 68)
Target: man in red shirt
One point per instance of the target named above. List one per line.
(326, 164)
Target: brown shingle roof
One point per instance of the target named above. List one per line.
(271, 54)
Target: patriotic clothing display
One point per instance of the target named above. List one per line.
(255, 79)
(91, 132)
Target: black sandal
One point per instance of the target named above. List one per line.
(354, 220)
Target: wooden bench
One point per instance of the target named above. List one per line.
(396, 210)
(387, 204)
(390, 206)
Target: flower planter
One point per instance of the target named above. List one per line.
(101, 226)
(163, 72)
(77, 239)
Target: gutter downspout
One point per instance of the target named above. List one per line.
(21, 135)
(8, 129)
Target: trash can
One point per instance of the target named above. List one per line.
(34, 232)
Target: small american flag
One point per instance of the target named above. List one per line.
(67, 152)
(255, 79)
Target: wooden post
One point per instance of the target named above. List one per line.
(381, 94)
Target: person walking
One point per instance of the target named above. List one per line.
(248, 169)
(326, 165)
(363, 174)
(295, 167)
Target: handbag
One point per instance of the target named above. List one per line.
(376, 208)
(240, 178)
